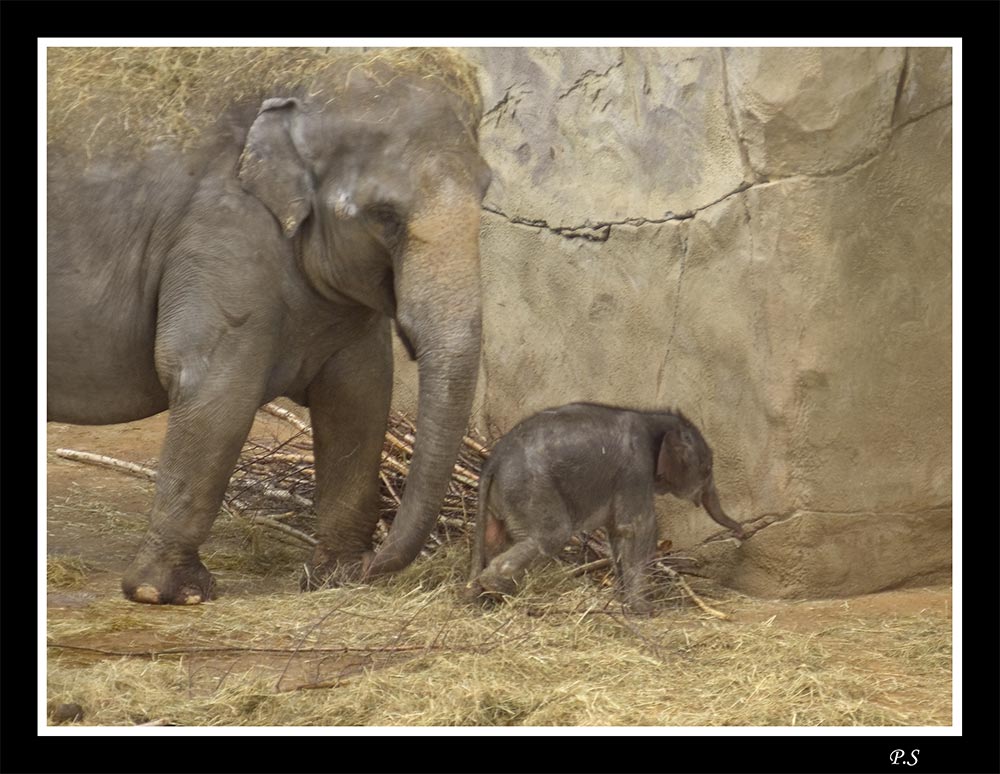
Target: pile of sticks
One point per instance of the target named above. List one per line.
(277, 480)
(274, 481)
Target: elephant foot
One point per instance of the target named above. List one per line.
(162, 583)
(474, 594)
(488, 590)
(642, 607)
(327, 571)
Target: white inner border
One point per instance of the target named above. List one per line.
(896, 731)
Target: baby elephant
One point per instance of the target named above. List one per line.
(579, 467)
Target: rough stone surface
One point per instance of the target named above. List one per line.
(826, 554)
(761, 237)
(926, 83)
(596, 135)
(812, 111)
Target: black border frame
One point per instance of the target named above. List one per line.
(977, 750)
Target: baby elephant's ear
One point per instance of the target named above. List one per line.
(675, 456)
(271, 167)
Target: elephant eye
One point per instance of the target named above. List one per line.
(385, 215)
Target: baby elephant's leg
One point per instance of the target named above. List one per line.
(505, 571)
(491, 540)
(534, 539)
(633, 545)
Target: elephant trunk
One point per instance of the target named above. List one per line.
(710, 502)
(439, 311)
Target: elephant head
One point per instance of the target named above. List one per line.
(684, 469)
(374, 174)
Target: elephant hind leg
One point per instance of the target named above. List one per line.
(491, 540)
(505, 572)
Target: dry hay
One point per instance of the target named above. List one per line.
(150, 94)
(65, 572)
(405, 651)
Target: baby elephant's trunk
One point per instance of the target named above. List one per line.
(710, 502)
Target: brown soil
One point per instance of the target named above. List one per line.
(96, 518)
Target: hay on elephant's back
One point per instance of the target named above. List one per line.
(153, 94)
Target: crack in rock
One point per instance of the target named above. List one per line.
(677, 305)
(741, 145)
(601, 231)
(507, 103)
(930, 112)
(588, 77)
(900, 84)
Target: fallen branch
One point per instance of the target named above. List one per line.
(385, 480)
(270, 523)
(600, 564)
(274, 475)
(132, 468)
(295, 459)
(288, 416)
(392, 462)
(694, 597)
(141, 471)
(597, 564)
(481, 450)
(272, 491)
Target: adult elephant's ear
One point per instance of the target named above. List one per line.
(271, 167)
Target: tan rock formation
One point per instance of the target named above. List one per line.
(761, 237)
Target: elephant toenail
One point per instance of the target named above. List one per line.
(147, 594)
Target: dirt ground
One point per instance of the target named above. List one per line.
(406, 653)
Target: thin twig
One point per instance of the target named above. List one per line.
(270, 523)
(141, 471)
(597, 564)
(271, 491)
(695, 598)
(385, 480)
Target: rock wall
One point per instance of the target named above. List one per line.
(761, 237)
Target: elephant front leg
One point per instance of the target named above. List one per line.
(349, 407)
(204, 436)
(633, 547)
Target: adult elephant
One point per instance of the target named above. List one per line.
(226, 226)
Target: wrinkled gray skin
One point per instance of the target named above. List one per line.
(269, 260)
(580, 467)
